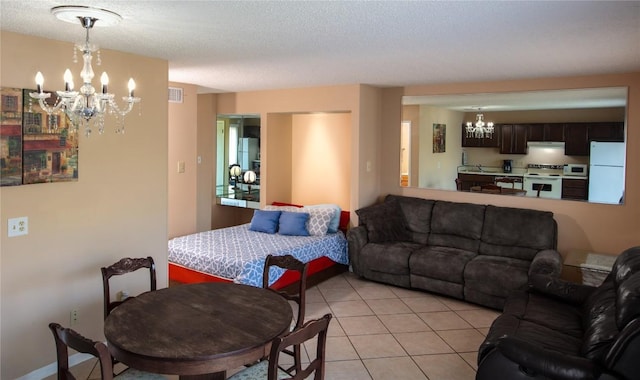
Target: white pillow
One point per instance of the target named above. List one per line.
(319, 218)
(334, 224)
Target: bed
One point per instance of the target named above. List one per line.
(236, 254)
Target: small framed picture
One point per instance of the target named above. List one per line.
(439, 138)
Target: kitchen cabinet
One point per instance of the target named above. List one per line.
(545, 132)
(469, 180)
(579, 135)
(613, 132)
(513, 139)
(576, 139)
(472, 142)
(574, 188)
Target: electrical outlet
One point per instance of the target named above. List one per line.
(18, 226)
(73, 318)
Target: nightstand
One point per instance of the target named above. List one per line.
(588, 268)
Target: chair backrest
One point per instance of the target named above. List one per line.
(290, 263)
(316, 327)
(65, 338)
(126, 265)
(512, 181)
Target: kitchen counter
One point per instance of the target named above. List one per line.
(489, 170)
(495, 171)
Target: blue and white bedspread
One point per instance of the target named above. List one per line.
(237, 253)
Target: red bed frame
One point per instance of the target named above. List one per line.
(319, 269)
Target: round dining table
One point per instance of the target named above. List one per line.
(197, 331)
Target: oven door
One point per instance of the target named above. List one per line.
(549, 187)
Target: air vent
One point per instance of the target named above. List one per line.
(175, 95)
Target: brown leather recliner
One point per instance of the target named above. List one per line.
(561, 330)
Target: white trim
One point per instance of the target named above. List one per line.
(52, 368)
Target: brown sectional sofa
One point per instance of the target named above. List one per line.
(478, 253)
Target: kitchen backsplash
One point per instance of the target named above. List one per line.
(535, 155)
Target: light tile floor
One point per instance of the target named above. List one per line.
(381, 332)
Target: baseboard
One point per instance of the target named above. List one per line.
(52, 369)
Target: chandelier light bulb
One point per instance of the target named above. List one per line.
(132, 86)
(39, 82)
(68, 80)
(104, 80)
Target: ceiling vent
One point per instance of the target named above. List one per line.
(175, 95)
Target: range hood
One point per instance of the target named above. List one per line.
(546, 144)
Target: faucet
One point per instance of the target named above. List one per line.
(479, 168)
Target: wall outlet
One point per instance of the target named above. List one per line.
(73, 317)
(18, 226)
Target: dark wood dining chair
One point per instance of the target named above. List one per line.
(66, 337)
(271, 371)
(124, 266)
(512, 181)
(289, 262)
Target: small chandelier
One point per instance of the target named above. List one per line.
(87, 106)
(480, 129)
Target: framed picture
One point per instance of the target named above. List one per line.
(11, 137)
(439, 138)
(49, 144)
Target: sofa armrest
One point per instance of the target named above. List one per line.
(357, 238)
(552, 364)
(546, 262)
(564, 290)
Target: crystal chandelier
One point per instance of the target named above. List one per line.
(480, 129)
(86, 107)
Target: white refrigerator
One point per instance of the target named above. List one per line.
(606, 172)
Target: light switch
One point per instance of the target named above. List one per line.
(180, 166)
(18, 226)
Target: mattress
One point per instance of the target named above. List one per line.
(238, 253)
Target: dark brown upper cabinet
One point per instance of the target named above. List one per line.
(513, 139)
(545, 132)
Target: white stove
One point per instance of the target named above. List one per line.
(544, 181)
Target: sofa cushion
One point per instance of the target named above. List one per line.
(546, 311)
(387, 257)
(496, 275)
(384, 222)
(516, 232)
(441, 263)
(456, 225)
(539, 335)
(417, 215)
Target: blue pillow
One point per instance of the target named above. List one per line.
(294, 223)
(265, 221)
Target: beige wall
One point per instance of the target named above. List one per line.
(599, 227)
(117, 208)
(438, 170)
(183, 150)
(321, 149)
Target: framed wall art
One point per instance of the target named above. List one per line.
(439, 138)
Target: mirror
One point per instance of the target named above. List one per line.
(557, 144)
(238, 160)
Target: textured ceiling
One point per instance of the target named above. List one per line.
(225, 46)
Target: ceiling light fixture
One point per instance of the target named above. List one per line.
(480, 129)
(87, 106)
